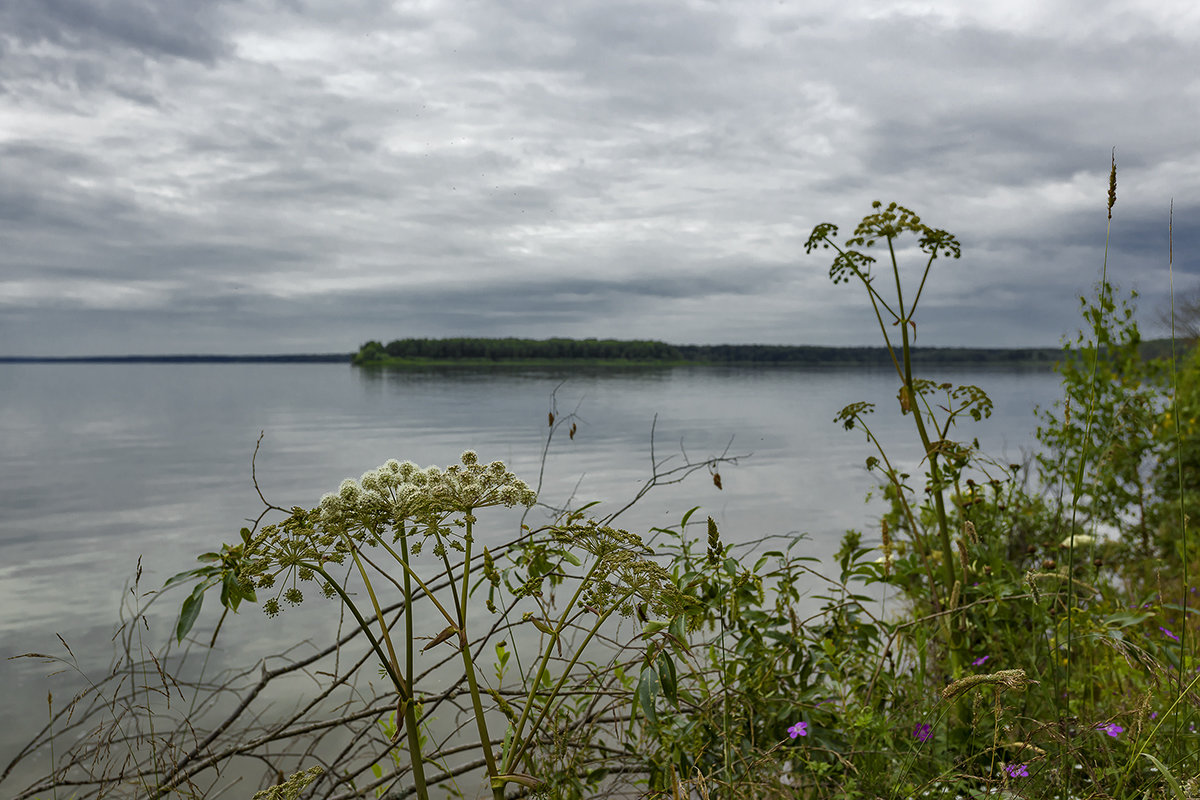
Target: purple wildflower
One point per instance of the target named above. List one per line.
(1112, 729)
(922, 732)
(799, 729)
(980, 660)
(1017, 771)
(1168, 633)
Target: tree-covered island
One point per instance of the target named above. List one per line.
(464, 351)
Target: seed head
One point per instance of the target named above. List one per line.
(1112, 184)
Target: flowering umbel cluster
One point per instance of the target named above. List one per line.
(396, 500)
(623, 577)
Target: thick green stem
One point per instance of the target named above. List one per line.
(408, 617)
(485, 739)
(939, 501)
(402, 688)
(918, 536)
(410, 575)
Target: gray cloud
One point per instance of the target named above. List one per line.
(303, 176)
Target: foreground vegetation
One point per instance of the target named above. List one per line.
(1036, 638)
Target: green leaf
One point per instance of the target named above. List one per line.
(209, 557)
(571, 557)
(1166, 773)
(231, 591)
(649, 685)
(1123, 619)
(677, 629)
(191, 573)
(688, 515)
(190, 611)
(668, 678)
(652, 627)
(246, 536)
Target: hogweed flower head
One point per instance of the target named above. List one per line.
(399, 497)
(624, 577)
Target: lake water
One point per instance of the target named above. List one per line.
(105, 464)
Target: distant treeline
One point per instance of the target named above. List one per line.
(654, 352)
(285, 358)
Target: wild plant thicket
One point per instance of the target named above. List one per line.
(1037, 640)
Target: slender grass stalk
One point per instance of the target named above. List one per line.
(50, 711)
(1183, 520)
(1077, 488)
(726, 691)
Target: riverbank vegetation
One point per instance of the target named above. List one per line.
(1002, 630)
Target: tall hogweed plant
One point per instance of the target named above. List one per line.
(924, 513)
(378, 527)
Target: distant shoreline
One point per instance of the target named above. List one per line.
(302, 358)
(504, 354)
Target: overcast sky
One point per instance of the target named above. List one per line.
(278, 176)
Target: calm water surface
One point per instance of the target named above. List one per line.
(106, 464)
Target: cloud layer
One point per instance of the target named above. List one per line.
(301, 176)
